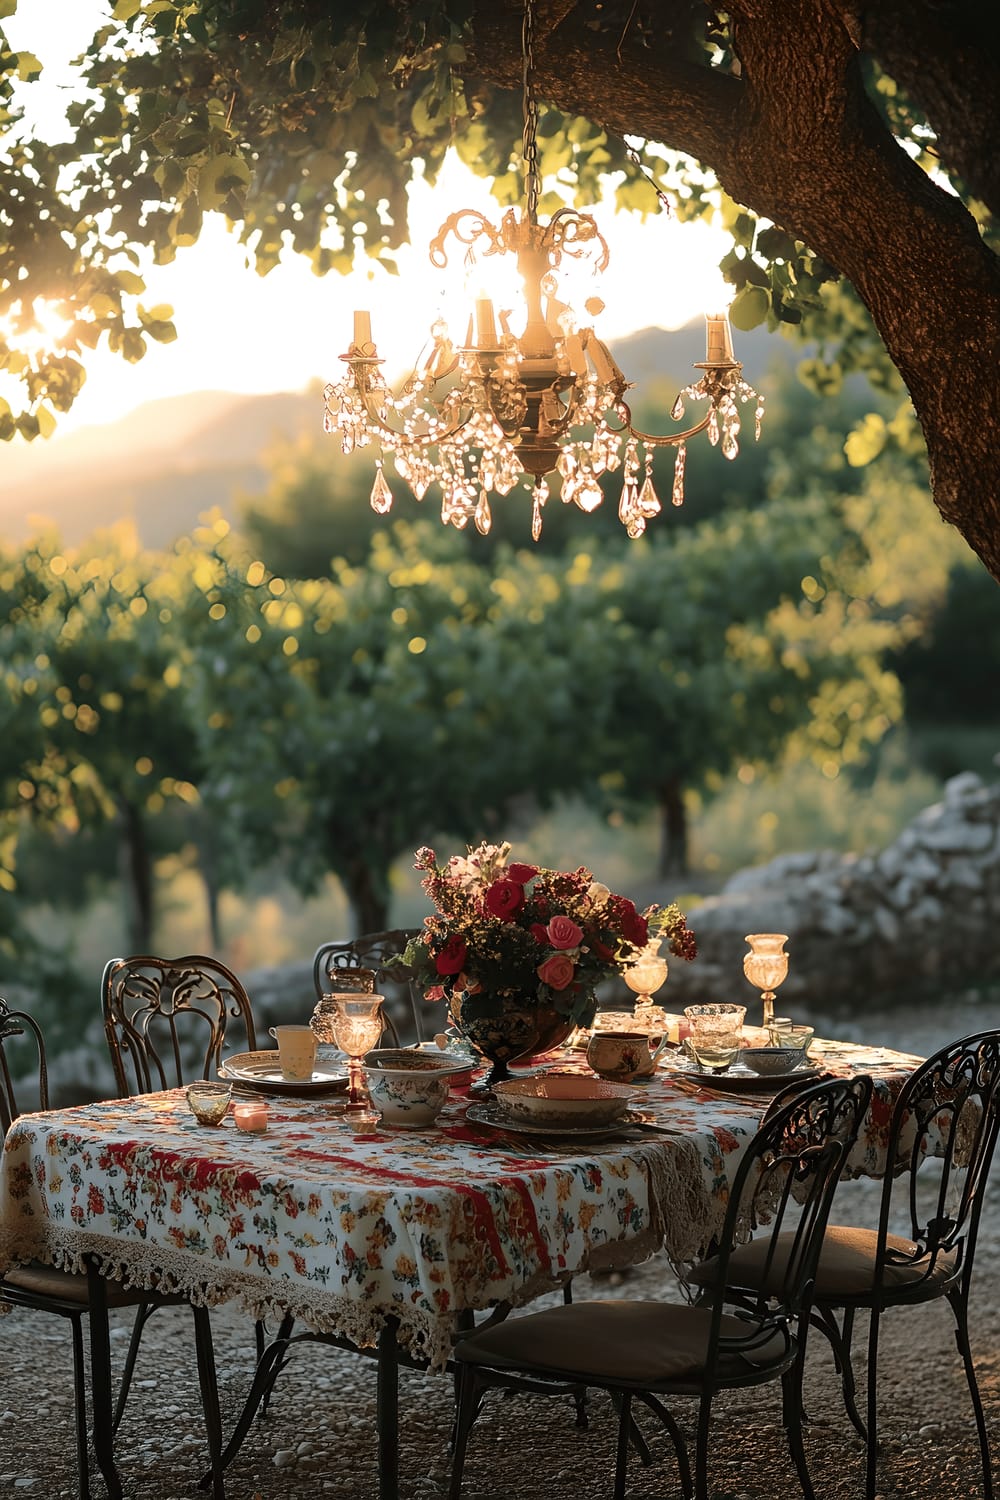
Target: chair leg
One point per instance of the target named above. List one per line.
(468, 1407)
(635, 1436)
(870, 1460)
(701, 1452)
(839, 1339)
(957, 1300)
(791, 1402)
(80, 1404)
(676, 1437)
(283, 1335)
(143, 1313)
(209, 1397)
(626, 1428)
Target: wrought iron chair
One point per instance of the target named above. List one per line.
(373, 951)
(42, 1288)
(644, 1351)
(956, 1093)
(167, 1020)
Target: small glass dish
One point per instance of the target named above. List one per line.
(209, 1101)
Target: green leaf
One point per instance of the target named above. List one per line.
(749, 308)
(7, 8)
(124, 10)
(866, 441)
(46, 422)
(28, 66)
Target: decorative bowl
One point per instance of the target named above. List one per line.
(772, 1059)
(563, 1099)
(407, 1087)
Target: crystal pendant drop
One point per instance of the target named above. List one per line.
(484, 516)
(588, 494)
(628, 505)
(536, 519)
(758, 417)
(649, 501)
(677, 494)
(677, 410)
(730, 447)
(381, 493)
(635, 528)
(713, 427)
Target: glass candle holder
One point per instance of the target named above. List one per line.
(766, 966)
(208, 1101)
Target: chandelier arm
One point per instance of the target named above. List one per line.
(667, 439)
(417, 439)
(483, 230)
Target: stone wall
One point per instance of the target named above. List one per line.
(921, 918)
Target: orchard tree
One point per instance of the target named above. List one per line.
(854, 150)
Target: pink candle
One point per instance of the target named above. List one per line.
(250, 1115)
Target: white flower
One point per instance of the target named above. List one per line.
(597, 893)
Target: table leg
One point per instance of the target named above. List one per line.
(387, 1413)
(100, 1379)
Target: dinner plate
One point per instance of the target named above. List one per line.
(490, 1114)
(742, 1080)
(262, 1070)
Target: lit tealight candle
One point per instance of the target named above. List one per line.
(250, 1115)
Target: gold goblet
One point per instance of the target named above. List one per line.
(765, 966)
(356, 1025)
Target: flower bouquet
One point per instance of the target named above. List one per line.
(517, 951)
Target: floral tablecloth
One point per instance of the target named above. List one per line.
(346, 1229)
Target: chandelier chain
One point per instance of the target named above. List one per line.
(529, 146)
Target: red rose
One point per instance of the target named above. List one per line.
(563, 932)
(601, 950)
(634, 927)
(557, 971)
(521, 874)
(452, 956)
(504, 899)
(539, 933)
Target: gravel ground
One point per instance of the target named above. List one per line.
(318, 1438)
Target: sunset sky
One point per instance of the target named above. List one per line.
(241, 332)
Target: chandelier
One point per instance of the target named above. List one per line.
(532, 398)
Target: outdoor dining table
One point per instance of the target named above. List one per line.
(385, 1239)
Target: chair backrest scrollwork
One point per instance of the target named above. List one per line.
(373, 950)
(18, 1026)
(167, 1019)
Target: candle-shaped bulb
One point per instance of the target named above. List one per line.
(718, 340)
(362, 331)
(486, 328)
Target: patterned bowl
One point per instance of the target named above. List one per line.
(563, 1099)
(408, 1088)
(771, 1059)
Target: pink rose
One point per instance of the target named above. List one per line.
(504, 899)
(563, 932)
(557, 971)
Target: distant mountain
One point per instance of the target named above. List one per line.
(168, 461)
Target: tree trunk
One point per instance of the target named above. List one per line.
(673, 856)
(367, 888)
(136, 868)
(210, 881)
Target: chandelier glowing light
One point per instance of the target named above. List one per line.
(549, 399)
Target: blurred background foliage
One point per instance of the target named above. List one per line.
(234, 744)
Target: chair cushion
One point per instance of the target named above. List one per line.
(640, 1342)
(46, 1283)
(846, 1264)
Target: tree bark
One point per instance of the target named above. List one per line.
(673, 855)
(367, 889)
(795, 137)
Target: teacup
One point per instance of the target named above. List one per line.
(296, 1051)
(619, 1055)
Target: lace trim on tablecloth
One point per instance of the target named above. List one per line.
(167, 1271)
